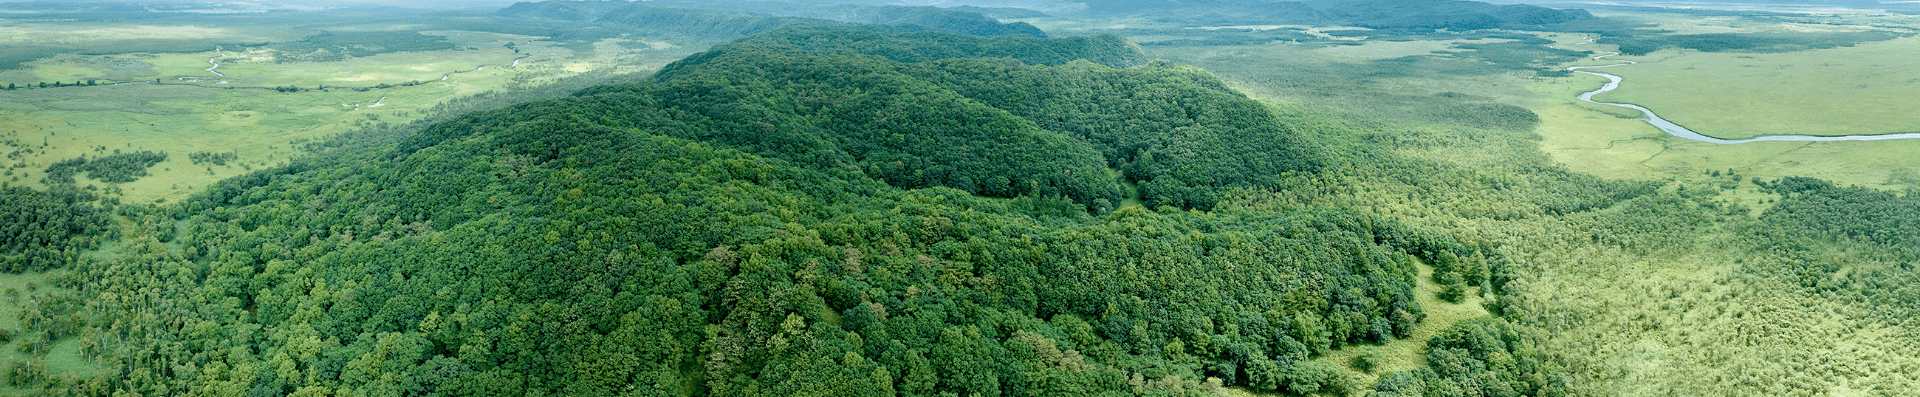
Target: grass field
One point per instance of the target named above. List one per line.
(258, 125)
(1599, 141)
(114, 34)
(1377, 50)
(1609, 141)
(193, 110)
(1422, 80)
(1865, 89)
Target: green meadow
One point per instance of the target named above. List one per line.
(1836, 91)
(1860, 90)
(264, 108)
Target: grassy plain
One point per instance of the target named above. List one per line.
(91, 32)
(193, 110)
(1860, 90)
(1611, 142)
(1422, 80)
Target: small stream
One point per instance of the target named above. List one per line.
(216, 65)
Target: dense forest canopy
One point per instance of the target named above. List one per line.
(918, 116)
(42, 230)
(116, 168)
(621, 242)
(915, 201)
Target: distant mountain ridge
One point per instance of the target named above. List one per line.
(1379, 14)
(698, 18)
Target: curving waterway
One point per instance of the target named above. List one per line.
(216, 65)
(1613, 82)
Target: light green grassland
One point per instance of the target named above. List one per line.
(255, 66)
(1590, 139)
(1864, 89)
(1610, 142)
(257, 125)
(1273, 71)
(1373, 50)
(389, 68)
(128, 36)
(1060, 26)
(1600, 143)
(245, 116)
(1316, 31)
(69, 68)
(72, 33)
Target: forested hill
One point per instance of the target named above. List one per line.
(729, 20)
(757, 221)
(1378, 14)
(924, 109)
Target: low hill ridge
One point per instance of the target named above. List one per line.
(734, 20)
(769, 220)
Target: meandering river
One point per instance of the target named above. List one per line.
(216, 65)
(1613, 82)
